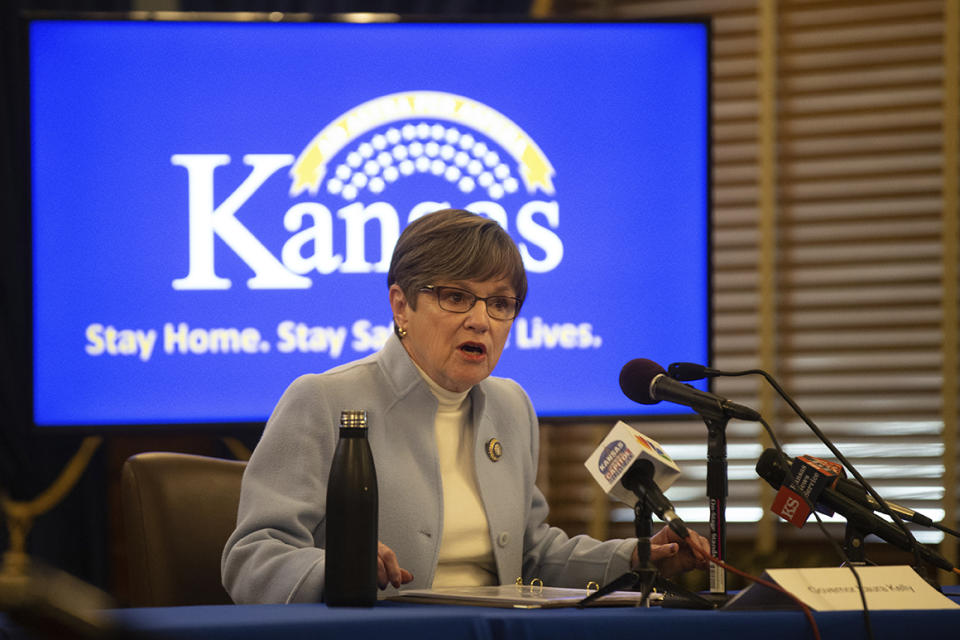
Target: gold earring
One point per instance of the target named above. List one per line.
(401, 332)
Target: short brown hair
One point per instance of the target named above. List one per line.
(453, 244)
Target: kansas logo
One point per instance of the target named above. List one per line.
(353, 164)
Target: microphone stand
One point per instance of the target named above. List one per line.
(853, 546)
(645, 575)
(717, 491)
(643, 525)
(918, 565)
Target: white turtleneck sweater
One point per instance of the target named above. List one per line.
(466, 550)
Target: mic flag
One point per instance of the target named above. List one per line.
(849, 488)
(619, 451)
(808, 477)
(772, 467)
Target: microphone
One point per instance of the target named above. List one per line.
(685, 371)
(629, 465)
(639, 479)
(692, 371)
(646, 382)
(855, 491)
(772, 468)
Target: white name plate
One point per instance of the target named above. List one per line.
(835, 589)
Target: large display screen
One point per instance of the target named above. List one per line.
(214, 203)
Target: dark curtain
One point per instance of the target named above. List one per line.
(410, 7)
(73, 537)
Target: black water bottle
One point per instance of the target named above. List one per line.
(352, 508)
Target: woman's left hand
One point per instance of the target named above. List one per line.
(673, 555)
(389, 570)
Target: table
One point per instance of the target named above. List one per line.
(402, 621)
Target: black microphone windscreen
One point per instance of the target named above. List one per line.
(771, 468)
(635, 379)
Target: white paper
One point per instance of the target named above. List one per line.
(835, 589)
(515, 596)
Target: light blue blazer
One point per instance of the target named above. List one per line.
(276, 553)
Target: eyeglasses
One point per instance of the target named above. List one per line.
(460, 301)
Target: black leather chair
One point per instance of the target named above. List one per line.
(179, 509)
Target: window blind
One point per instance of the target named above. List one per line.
(864, 272)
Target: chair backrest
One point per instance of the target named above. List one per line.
(179, 509)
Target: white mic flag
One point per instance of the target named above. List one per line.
(619, 451)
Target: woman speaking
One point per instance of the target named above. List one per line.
(455, 448)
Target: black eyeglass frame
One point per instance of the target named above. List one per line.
(435, 290)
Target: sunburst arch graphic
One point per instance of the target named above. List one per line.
(459, 158)
(443, 150)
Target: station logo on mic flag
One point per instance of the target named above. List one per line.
(807, 479)
(620, 450)
(654, 446)
(614, 458)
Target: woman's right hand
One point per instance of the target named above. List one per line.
(388, 568)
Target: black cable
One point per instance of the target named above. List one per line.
(833, 449)
(868, 626)
(836, 547)
(914, 544)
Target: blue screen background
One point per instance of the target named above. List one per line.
(620, 110)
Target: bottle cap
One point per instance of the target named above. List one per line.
(356, 419)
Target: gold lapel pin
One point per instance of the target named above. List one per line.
(494, 449)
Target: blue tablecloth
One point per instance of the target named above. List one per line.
(395, 621)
